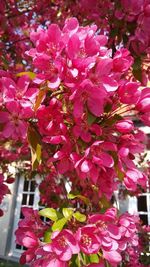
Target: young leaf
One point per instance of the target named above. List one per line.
(71, 196)
(67, 212)
(49, 213)
(90, 118)
(30, 74)
(79, 216)
(74, 261)
(94, 258)
(104, 203)
(39, 99)
(35, 145)
(84, 199)
(47, 236)
(58, 225)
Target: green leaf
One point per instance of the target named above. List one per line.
(113, 120)
(94, 258)
(114, 155)
(74, 261)
(91, 118)
(38, 152)
(104, 203)
(30, 74)
(137, 69)
(84, 199)
(58, 225)
(67, 212)
(114, 32)
(79, 216)
(86, 259)
(47, 236)
(71, 196)
(120, 174)
(49, 213)
(35, 146)
(108, 108)
(39, 99)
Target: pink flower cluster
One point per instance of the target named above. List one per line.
(16, 104)
(82, 81)
(81, 134)
(139, 12)
(106, 233)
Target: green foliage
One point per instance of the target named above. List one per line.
(35, 146)
(67, 212)
(94, 258)
(84, 199)
(49, 213)
(59, 225)
(90, 118)
(30, 74)
(79, 216)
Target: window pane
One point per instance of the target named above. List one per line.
(144, 219)
(26, 183)
(24, 199)
(32, 186)
(31, 199)
(142, 205)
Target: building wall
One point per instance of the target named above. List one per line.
(6, 220)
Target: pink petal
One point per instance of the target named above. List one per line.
(94, 173)
(73, 46)
(66, 254)
(53, 84)
(96, 106)
(86, 166)
(8, 130)
(71, 24)
(104, 66)
(112, 256)
(114, 231)
(110, 84)
(78, 108)
(54, 33)
(106, 160)
(4, 116)
(23, 84)
(13, 107)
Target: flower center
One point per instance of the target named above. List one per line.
(86, 240)
(62, 242)
(101, 225)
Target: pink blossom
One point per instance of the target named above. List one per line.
(113, 257)
(103, 75)
(88, 240)
(26, 238)
(132, 7)
(124, 126)
(50, 123)
(13, 120)
(64, 245)
(19, 91)
(134, 177)
(143, 104)
(92, 95)
(47, 259)
(129, 93)
(95, 159)
(46, 55)
(122, 60)
(145, 118)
